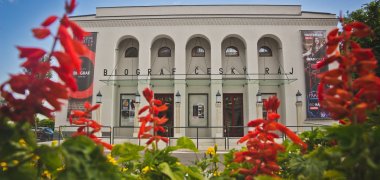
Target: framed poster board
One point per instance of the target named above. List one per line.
(127, 109)
(198, 110)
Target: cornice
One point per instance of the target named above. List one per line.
(207, 21)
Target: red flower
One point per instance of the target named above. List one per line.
(50, 20)
(351, 89)
(272, 104)
(153, 108)
(41, 33)
(70, 6)
(26, 93)
(80, 118)
(262, 149)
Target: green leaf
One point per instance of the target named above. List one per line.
(50, 157)
(165, 168)
(127, 151)
(186, 143)
(333, 174)
(194, 172)
(84, 159)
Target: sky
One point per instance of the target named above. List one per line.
(18, 17)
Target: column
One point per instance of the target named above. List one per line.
(98, 118)
(136, 122)
(259, 109)
(252, 89)
(299, 116)
(216, 84)
(180, 84)
(219, 131)
(180, 108)
(252, 71)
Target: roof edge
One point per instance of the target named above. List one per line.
(199, 5)
(313, 12)
(85, 15)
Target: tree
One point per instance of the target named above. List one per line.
(370, 15)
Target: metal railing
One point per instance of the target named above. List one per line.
(226, 132)
(62, 133)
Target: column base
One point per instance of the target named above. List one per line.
(135, 135)
(218, 134)
(177, 135)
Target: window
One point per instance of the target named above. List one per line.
(164, 52)
(231, 52)
(265, 51)
(198, 52)
(132, 52)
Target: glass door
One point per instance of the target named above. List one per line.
(168, 99)
(127, 110)
(233, 114)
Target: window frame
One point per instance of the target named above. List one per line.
(129, 56)
(231, 55)
(269, 52)
(194, 51)
(160, 53)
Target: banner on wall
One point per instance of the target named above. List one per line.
(314, 47)
(84, 78)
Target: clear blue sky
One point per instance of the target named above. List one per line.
(17, 17)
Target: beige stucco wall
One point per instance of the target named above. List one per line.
(179, 26)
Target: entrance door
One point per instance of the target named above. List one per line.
(168, 99)
(233, 114)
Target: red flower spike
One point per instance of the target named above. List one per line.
(272, 104)
(148, 94)
(66, 42)
(273, 116)
(19, 83)
(255, 123)
(87, 105)
(77, 30)
(162, 108)
(347, 96)
(153, 108)
(48, 21)
(31, 53)
(360, 29)
(80, 48)
(262, 149)
(142, 110)
(157, 102)
(78, 117)
(65, 21)
(41, 33)
(332, 34)
(70, 6)
(41, 89)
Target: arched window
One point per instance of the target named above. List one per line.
(265, 51)
(164, 52)
(198, 52)
(231, 52)
(132, 52)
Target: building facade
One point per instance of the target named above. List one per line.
(197, 52)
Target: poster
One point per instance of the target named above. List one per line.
(127, 110)
(314, 47)
(84, 78)
(198, 110)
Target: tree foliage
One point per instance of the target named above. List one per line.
(370, 15)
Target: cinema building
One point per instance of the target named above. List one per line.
(213, 65)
